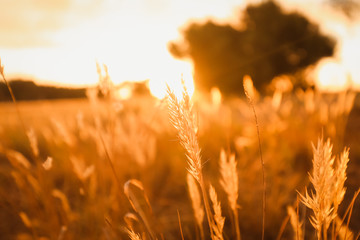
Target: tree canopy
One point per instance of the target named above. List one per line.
(272, 43)
(350, 8)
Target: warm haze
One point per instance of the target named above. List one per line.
(250, 159)
(60, 42)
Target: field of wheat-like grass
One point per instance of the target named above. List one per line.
(181, 168)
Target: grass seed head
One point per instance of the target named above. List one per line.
(182, 118)
(195, 200)
(328, 183)
(219, 220)
(229, 178)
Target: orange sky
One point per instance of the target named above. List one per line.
(61, 40)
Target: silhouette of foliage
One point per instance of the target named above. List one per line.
(350, 8)
(28, 90)
(272, 43)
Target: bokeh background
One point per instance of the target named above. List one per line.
(90, 113)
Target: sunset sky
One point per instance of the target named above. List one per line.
(60, 41)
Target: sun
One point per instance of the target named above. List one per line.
(331, 76)
(172, 75)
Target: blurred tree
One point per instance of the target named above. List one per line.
(272, 43)
(350, 8)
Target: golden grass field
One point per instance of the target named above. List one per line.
(119, 169)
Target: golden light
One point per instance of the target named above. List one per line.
(172, 76)
(350, 54)
(130, 37)
(123, 93)
(249, 88)
(216, 96)
(331, 76)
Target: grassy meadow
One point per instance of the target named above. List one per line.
(103, 168)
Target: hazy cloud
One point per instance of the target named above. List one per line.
(29, 23)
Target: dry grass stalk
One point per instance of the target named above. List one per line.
(63, 230)
(47, 164)
(322, 179)
(182, 118)
(328, 183)
(181, 231)
(28, 223)
(229, 178)
(342, 230)
(64, 202)
(295, 223)
(184, 121)
(348, 214)
(196, 203)
(33, 142)
(340, 178)
(82, 171)
(107, 155)
(25, 219)
(282, 227)
(106, 86)
(34, 183)
(131, 219)
(133, 235)
(17, 159)
(249, 88)
(339, 189)
(64, 132)
(135, 203)
(230, 183)
(250, 93)
(219, 220)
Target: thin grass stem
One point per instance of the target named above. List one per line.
(237, 228)
(181, 231)
(282, 227)
(251, 103)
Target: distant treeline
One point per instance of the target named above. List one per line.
(28, 90)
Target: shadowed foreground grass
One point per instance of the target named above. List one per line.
(99, 168)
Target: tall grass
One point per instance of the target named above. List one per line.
(183, 119)
(328, 181)
(230, 183)
(108, 168)
(249, 92)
